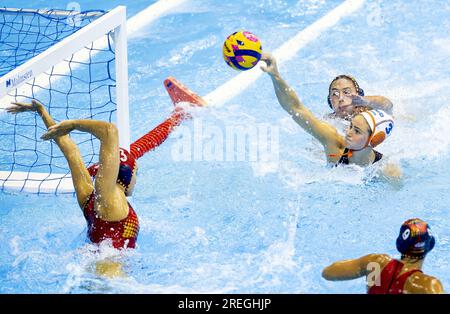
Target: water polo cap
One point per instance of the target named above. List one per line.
(415, 239)
(381, 125)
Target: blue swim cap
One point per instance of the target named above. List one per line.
(415, 239)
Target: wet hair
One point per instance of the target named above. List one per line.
(359, 90)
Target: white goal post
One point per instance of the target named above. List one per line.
(113, 22)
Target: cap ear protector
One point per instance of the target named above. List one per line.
(359, 90)
(415, 239)
(381, 125)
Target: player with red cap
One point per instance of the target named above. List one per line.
(102, 188)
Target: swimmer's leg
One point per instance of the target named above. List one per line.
(178, 93)
(80, 176)
(157, 136)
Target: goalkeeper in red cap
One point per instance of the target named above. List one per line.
(102, 188)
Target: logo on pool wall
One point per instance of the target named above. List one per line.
(13, 82)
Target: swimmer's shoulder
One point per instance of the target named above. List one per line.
(373, 261)
(380, 259)
(421, 283)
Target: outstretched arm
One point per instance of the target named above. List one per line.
(363, 103)
(110, 202)
(80, 176)
(354, 268)
(290, 102)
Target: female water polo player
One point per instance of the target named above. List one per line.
(347, 99)
(367, 129)
(103, 201)
(386, 275)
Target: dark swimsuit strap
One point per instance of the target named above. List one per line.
(344, 160)
(378, 156)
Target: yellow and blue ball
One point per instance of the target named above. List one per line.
(242, 50)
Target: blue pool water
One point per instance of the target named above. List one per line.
(245, 227)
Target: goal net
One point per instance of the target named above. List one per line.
(75, 64)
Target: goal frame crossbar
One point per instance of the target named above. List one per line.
(113, 21)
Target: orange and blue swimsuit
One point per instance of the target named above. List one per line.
(123, 233)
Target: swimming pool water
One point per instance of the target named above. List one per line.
(243, 227)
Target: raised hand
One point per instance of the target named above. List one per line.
(18, 107)
(271, 64)
(360, 104)
(58, 130)
(359, 101)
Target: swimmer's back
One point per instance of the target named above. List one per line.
(123, 233)
(398, 279)
(420, 283)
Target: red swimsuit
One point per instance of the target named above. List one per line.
(123, 233)
(391, 282)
